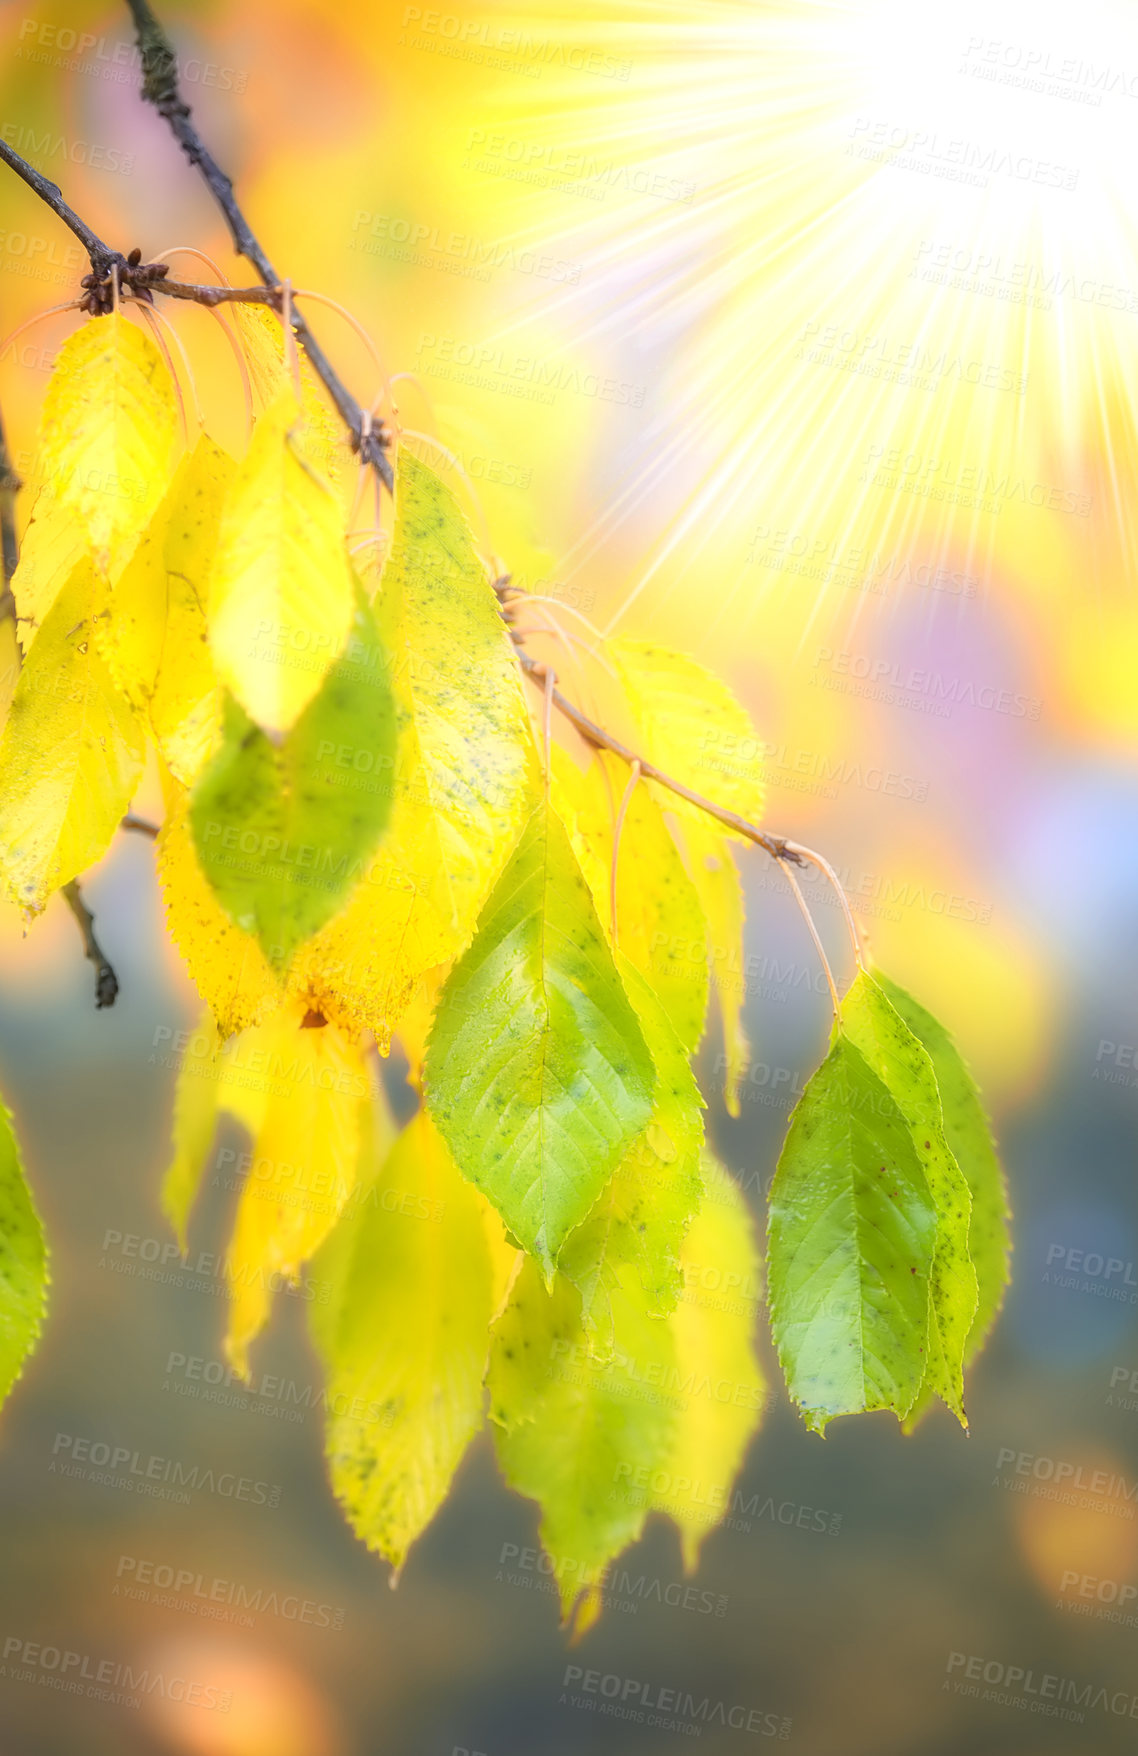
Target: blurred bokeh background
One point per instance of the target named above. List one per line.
(801, 335)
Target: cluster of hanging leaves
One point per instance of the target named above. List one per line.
(364, 844)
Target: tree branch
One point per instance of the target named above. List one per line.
(10, 485)
(775, 845)
(106, 981)
(160, 88)
(102, 256)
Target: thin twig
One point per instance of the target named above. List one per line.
(139, 825)
(106, 981)
(775, 845)
(160, 88)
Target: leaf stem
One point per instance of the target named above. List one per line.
(825, 867)
(809, 919)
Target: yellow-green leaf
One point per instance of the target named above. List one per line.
(283, 829)
(463, 780)
(107, 435)
(404, 1339)
(69, 758)
(718, 1373)
(634, 1234)
(571, 1426)
(720, 891)
(195, 1119)
(970, 1140)
(282, 592)
(226, 964)
(902, 1064)
(23, 1261)
(659, 925)
(153, 632)
(304, 1164)
(537, 1072)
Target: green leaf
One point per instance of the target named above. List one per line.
(195, 1119)
(404, 1339)
(970, 1138)
(571, 1427)
(537, 1072)
(851, 1234)
(283, 830)
(635, 1233)
(874, 1026)
(23, 1262)
(717, 1368)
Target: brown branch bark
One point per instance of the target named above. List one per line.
(160, 88)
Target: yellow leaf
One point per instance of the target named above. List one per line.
(464, 774)
(226, 964)
(9, 666)
(107, 434)
(404, 1338)
(281, 595)
(716, 879)
(262, 336)
(195, 1118)
(717, 1369)
(304, 1163)
(659, 924)
(153, 632)
(691, 726)
(69, 758)
(51, 548)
